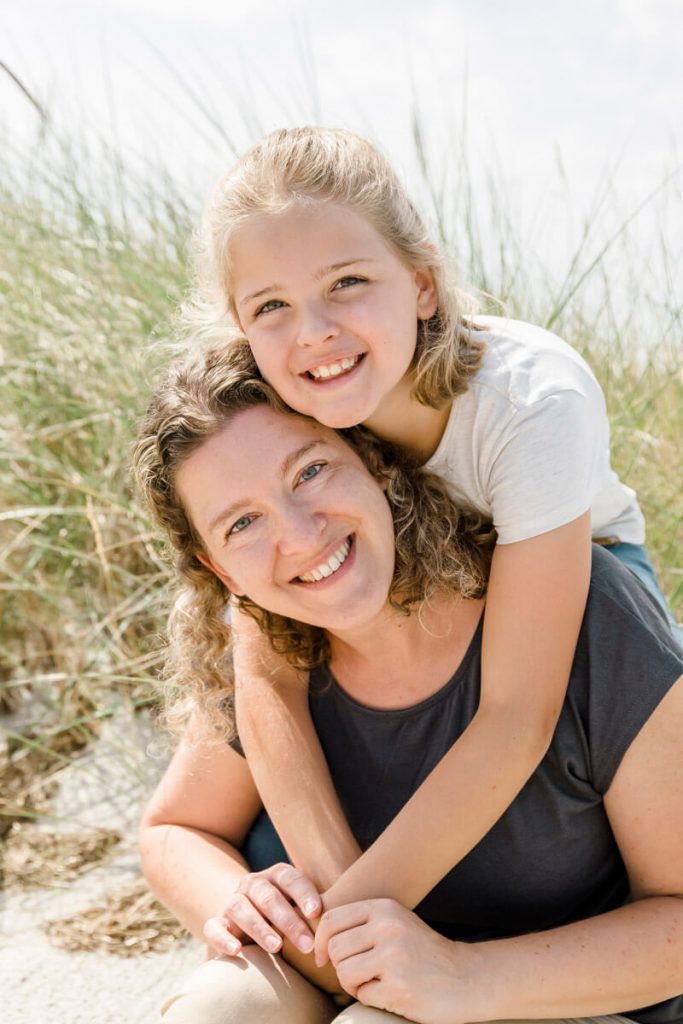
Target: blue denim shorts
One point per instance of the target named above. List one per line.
(635, 558)
(262, 848)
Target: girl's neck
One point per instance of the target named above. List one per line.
(401, 660)
(404, 421)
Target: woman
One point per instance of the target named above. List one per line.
(569, 907)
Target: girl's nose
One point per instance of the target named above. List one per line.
(316, 326)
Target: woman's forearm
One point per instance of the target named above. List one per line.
(618, 961)
(193, 872)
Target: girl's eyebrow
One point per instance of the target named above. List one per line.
(324, 271)
(260, 292)
(287, 463)
(319, 274)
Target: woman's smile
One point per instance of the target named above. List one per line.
(334, 567)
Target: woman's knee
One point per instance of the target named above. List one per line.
(358, 1013)
(252, 987)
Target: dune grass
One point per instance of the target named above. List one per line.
(95, 261)
(81, 575)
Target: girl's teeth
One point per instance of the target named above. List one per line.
(334, 369)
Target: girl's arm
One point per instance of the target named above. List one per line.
(285, 758)
(534, 606)
(612, 963)
(535, 603)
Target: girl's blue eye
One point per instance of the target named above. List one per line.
(311, 471)
(241, 524)
(269, 306)
(346, 282)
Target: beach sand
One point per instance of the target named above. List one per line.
(107, 787)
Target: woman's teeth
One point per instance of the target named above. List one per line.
(333, 369)
(328, 567)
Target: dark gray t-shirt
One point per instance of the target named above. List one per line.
(551, 858)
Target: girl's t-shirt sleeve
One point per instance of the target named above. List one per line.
(527, 444)
(548, 465)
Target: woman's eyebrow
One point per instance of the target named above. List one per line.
(294, 456)
(291, 459)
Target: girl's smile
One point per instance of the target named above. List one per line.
(289, 516)
(329, 310)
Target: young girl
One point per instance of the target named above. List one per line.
(319, 258)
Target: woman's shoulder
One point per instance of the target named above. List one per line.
(616, 591)
(626, 662)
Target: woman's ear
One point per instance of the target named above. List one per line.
(222, 576)
(427, 298)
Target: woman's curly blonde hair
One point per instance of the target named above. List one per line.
(312, 164)
(438, 546)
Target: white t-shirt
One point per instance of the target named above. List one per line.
(528, 443)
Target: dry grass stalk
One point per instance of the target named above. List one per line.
(128, 922)
(34, 858)
(27, 773)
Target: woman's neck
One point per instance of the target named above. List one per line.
(401, 660)
(404, 421)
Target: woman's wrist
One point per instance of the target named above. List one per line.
(474, 997)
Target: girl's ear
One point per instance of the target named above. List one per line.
(222, 576)
(427, 298)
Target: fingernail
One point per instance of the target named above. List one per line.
(272, 943)
(311, 908)
(305, 944)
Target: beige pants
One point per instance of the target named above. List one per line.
(256, 988)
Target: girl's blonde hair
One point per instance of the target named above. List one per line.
(438, 547)
(305, 165)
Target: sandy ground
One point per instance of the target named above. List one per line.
(40, 983)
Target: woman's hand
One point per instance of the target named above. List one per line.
(263, 910)
(386, 957)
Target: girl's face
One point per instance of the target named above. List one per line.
(289, 515)
(329, 310)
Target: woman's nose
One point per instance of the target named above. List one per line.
(299, 531)
(316, 326)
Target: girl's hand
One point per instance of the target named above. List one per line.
(263, 909)
(386, 957)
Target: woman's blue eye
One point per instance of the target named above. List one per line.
(311, 471)
(241, 524)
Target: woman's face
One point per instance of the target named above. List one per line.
(289, 516)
